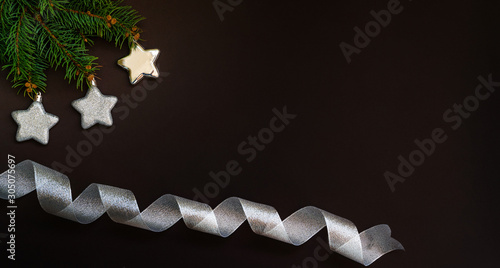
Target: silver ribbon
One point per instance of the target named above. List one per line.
(54, 194)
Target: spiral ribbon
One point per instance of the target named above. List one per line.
(54, 194)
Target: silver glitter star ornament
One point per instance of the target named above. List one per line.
(34, 123)
(140, 63)
(95, 107)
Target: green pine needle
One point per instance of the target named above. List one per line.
(38, 34)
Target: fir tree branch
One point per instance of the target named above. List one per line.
(104, 22)
(37, 34)
(19, 51)
(1, 7)
(81, 64)
(19, 24)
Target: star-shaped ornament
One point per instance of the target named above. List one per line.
(95, 107)
(140, 63)
(34, 123)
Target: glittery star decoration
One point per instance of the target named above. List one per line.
(34, 123)
(95, 107)
(140, 63)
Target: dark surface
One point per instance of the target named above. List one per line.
(353, 121)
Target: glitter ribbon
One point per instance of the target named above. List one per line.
(54, 194)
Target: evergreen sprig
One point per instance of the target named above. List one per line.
(36, 34)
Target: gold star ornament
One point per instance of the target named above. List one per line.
(140, 63)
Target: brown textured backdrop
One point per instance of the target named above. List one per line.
(353, 120)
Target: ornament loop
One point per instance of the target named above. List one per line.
(38, 97)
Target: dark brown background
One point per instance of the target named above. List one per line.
(353, 121)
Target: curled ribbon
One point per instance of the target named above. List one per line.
(54, 194)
